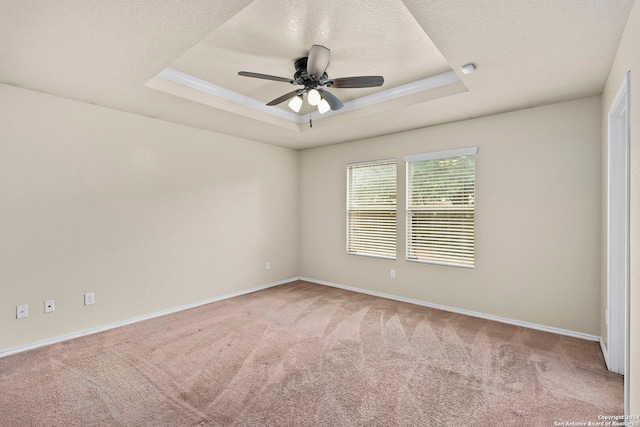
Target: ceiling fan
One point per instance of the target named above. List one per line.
(311, 74)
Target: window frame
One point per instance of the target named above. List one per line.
(461, 261)
(349, 210)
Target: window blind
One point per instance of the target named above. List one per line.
(371, 208)
(441, 207)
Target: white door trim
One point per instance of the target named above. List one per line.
(618, 233)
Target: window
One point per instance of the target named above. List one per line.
(371, 208)
(441, 207)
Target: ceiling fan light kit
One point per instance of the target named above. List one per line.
(323, 106)
(296, 103)
(313, 97)
(311, 73)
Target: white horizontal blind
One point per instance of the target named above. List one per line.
(371, 209)
(441, 208)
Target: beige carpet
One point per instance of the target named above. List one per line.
(307, 355)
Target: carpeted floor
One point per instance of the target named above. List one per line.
(302, 354)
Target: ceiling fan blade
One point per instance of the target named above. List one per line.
(356, 82)
(318, 60)
(265, 77)
(284, 97)
(334, 102)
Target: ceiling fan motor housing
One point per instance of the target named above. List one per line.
(301, 77)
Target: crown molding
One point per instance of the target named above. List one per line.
(366, 101)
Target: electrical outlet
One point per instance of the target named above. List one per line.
(49, 306)
(392, 274)
(268, 265)
(89, 298)
(22, 311)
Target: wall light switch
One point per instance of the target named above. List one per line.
(22, 311)
(392, 274)
(268, 265)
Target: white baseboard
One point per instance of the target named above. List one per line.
(605, 352)
(514, 322)
(139, 319)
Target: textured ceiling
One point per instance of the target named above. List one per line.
(386, 32)
(528, 53)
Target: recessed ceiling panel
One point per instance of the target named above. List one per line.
(365, 38)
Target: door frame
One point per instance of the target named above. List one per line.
(618, 183)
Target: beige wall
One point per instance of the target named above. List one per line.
(147, 214)
(151, 215)
(538, 217)
(627, 58)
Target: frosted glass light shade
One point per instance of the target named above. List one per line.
(323, 106)
(296, 103)
(314, 97)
